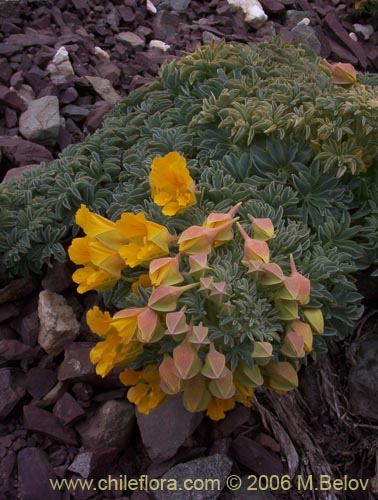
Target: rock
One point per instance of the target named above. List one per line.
(362, 380)
(12, 390)
(109, 71)
(101, 54)
(233, 420)
(179, 5)
(9, 49)
(17, 172)
(366, 30)
(75, 112)
(96, 116)
(16, 289)
(41, 121)
(7, 464)
(333, 25)
(294, 17)
(68, 410)
(58, 277)
(246, 493)
(76, 365)
(307, 35)
(39, 420)
(151, 7)
(256, 458)
(158, 44)
(34, 475)
(131, 40)
(104, 88)
(267, 30)
(52, 396)
(14, 350)
(252, 10)
(273, 7)
(353, 36)
(68, 96)
(208, 37)
(165, 25)
(60, 68)
(166, 428)
(216, 467)
(26, 93)
(8, 311)
(110, 427)
(340, 53)
(39, 381)
(30, 38)
(58, 324)
(94, 463)
(10, 98)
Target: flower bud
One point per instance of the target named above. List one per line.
(254, 249)
(215, 364)
(165, 271)
(198, 264)
(164, 297)
(263, 229)
(176, 323)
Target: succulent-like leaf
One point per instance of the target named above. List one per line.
(187, 361)
(176, 323)
(280, 377)
(170, 382)
(196, 395)
(224, 387)
(287, 309)
(315, 318)
(215, 364)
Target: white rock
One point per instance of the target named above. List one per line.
(366, 30)
(104, 88)
(252, 10)
(58, 323)
(158, 44)
(353, 36)
(101, 54)
(41, 121)
(25, 92)
(151, 7)
(306, 21)
(60, 68)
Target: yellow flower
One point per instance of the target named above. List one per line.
(216, 407)
(143, 281)
(89, 278)
(171, 185)
(145, 393)
(146, 240)
(112, 352)
(96, 226)
(99, 322)
(126, 322)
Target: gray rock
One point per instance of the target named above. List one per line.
(208, 37)
(104, 88)
(362, 380)
(179, 5)
(216, 467)
(58, 324)
(12, 390)
(131, 39)
(293, 17)
(60, 68)
(75, 112)
(166, 428)
(41, 121)
(307, 35)
(110, 427)
(266, 30)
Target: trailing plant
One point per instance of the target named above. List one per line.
(206, 313)
(270, 125)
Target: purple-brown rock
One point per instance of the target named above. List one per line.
(68, 410)
(12, 390)
(35, 473)
(94, 463)
(39, 381)
(77, 366)
(255, 457)
(39, 420)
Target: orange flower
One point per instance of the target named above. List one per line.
(171, 185)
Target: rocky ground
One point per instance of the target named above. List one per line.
(63, 65)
